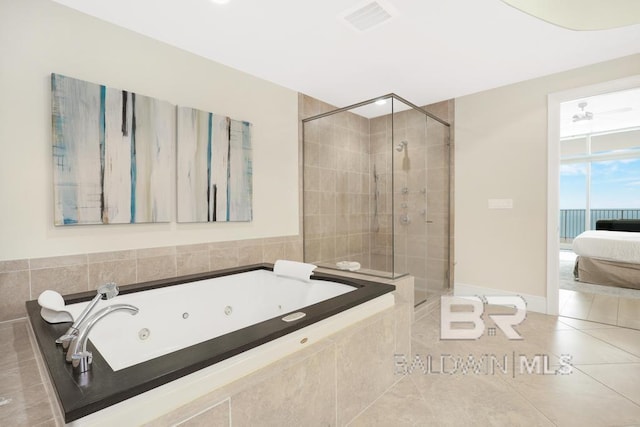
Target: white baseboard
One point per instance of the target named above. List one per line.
(534, 302)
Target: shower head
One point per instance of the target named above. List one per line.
(401, 146)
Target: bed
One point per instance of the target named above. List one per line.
(609, 255)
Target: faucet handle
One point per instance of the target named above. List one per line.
(81, 361)
(66, 339)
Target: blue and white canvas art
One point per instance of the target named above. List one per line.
(113, 154)
(215, 174)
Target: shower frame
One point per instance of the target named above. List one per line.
(392, 96)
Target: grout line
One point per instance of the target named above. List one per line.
(377, 398)
(228, 400)
(30, 287)
(17, 319)
(607, 386)
(335, 378)
(613, 345)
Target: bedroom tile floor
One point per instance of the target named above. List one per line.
(615, 306)
(603, 388)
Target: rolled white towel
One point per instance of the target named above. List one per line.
(294, 269)
(348, 265)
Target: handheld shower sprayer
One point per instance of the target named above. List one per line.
(106, 291)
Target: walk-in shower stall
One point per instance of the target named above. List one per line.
(377, 192)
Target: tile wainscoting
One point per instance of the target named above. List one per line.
(23, 280)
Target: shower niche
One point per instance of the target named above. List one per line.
(377, 190)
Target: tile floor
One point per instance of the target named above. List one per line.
(605, 304)
(603, 388)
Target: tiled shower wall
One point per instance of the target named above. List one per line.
(336, 185)
(24, 279)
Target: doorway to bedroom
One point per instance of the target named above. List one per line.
(599, 201)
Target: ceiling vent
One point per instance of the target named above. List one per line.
(368, 15)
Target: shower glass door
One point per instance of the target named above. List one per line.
(376, 191)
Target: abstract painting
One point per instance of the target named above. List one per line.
(214, 173)
(113, 154)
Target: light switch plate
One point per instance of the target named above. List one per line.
(500, 203)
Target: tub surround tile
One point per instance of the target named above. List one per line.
(49, 423)
(24, 279)
(14, 376)
(28, 406)
(122, 384)
(100, 257)
(227, 392)
(46, 379)
(360, 353)
(293, 250)
(308, 389)
(14, 291)
(123, 272)
(278, 239)
(221, 257)
(59, 261)
(272, 252)
(192, 262)
(156, 267)
(16, 345)
(403, 320)
(155, 252)
(65, 280)
(218, 415)
(197, 247)
(249, 254)
(27, 402)
(14, 265)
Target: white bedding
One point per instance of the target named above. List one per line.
(622, 246)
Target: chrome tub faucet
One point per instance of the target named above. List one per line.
(77, 354)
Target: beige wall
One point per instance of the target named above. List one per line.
(501, 152)
(38, 37)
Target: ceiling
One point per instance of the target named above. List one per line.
(428, 51)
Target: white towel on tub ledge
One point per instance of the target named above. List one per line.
(297, 270)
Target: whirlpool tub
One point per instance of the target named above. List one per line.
(194, 334)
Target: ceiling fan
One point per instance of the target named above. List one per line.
(582, 114)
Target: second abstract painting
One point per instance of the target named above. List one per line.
(214, 172)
